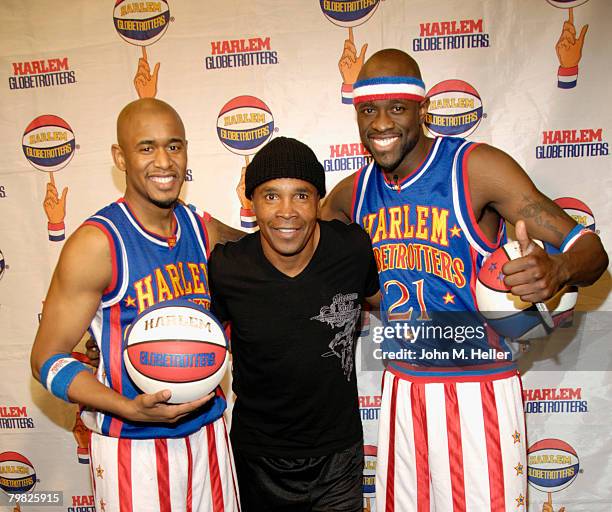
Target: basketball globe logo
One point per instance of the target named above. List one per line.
(552, 465)
(17, 475)
(455, 109)
(566, 4)
(48, 143)
(369, 471)
(348, 13)
(578, 211)
(141, 23)
(245, 124)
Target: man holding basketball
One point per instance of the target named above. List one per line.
(449, 438)
(292, 293)
(141, 250)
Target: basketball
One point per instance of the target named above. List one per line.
(176, 345)
(506, 313)
(553, 464)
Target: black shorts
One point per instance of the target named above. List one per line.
(272, 484)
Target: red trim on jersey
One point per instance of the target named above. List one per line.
(189, 497)
(124, 459)
(493, 338)
(91, 463)
(163, 478)
(441, 376)
(455, 447)
(354, 198)
(157, 236)
(231, 462)
(468, 200)
(113, 282)
(115, 362)
(206, 238)
(213, 469)
(494, 454)
(473, 274)
(390, 491)
(421, 449)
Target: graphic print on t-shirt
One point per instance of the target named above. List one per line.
(342, 312)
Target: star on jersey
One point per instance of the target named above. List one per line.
(516, 437)
(99, 472)
(449, 297)
(455, 231)
(130, 302)
(520, 501)
(103, 505)
(519, 469)
(500, 276)
(492, 267)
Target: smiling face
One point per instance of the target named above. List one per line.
(286, 211)
(390, 129)
(152, 151)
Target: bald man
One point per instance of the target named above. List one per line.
(451, 432)
(146, 454)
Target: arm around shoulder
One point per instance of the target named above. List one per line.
(221, 233)
(339, 202)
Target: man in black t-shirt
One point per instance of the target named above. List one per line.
(293, 293)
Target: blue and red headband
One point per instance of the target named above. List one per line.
(388, 88)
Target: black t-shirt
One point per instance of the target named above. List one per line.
(293, 341)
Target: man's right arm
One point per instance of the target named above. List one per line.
(83, 272)
(338, 203)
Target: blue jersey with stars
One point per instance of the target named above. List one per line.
(147, 269)
(429, 249)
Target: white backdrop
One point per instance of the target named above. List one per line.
(496, 72)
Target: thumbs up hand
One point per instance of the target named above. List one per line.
(536, 276)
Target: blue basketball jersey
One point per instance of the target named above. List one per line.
(147, 269)
(429, 249)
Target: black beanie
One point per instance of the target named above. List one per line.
(284, 157)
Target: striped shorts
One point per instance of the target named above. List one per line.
(187, 474)
(451, 445)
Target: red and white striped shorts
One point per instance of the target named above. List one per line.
(451, 445)
(187, 474)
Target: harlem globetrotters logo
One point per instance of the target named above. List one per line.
(455, 109)
(579, 211)
(349, 14)
(244, 125)
(552, 465)
(369, 476)
(17, 474)
(142, 24)
(49, 145)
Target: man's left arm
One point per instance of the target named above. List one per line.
(498, 182)
(220, 233)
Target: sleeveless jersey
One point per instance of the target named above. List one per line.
(147, 269)
(429, 249)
